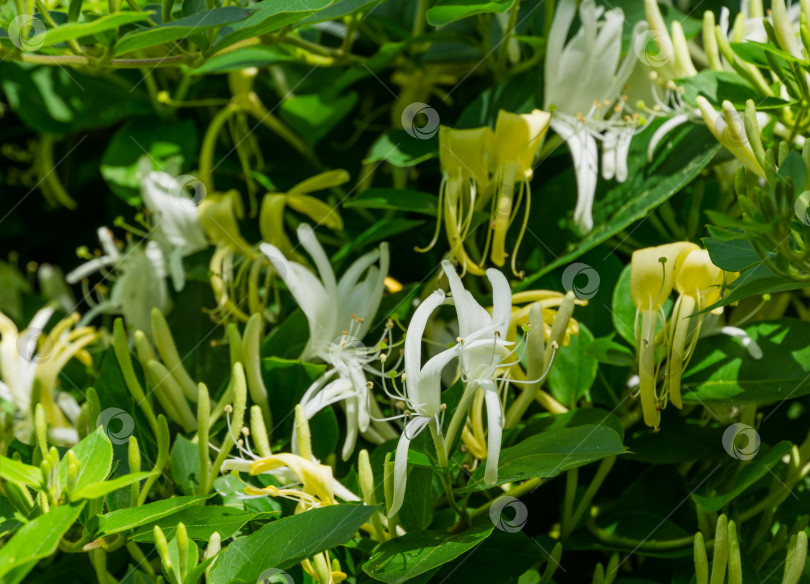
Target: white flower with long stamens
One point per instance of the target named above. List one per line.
(483, 349)
(583, 84)
(31, 361)
(422, 396)
(176, 225)
(340, 313)
(138, 278)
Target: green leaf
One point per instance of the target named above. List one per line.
(125, 519)
(722, 370)
(733, 255)
(75, 30)
(97, 490)
(55, 100)
(286, 542)
(548, 454)
(314, 116)
(717, 86)
(447, 11)
(399, 148)
(750, 474)
(178, 30)
(417, 552)
(677, 161)
(95, 454)
(606, 350)
(184, 462)
(574, 370)
(396, 199)
(340, 9)
(169, 146)
(200, 522)
(19, 472)
(259, 56)
(270, 16)
(759, 279)
(36, 540)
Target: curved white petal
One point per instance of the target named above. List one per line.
(412, 430)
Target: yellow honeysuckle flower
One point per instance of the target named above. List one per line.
(219, 214)
(316, 479)
(652, 273)
(298, 198)
(515, 144)
(699, 283)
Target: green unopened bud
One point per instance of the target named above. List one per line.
(366, 476)
(752, 131)
(41, 428)
(599, 574)
(212, 549)
(163, 549)
(134, 458)
(701, 561)
(734, 561)
(323, 571)
(168, 387)
(164, 342)
(783, 28)
(182, 550)
(73, 467)
(203, 421)
(720, 556)
(302, 433)
(143, 348)
(552, 564)
(560, 324)
(19, 497)
(710, 42)
(122, 355)
(235, 344)
(536, 343)
(388, 482)
(797, 556)
(252, 359)
(258, 430)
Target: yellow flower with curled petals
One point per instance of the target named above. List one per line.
(515, 144)
(700, 284)
(298, 198)
(652, 275)
(219, 215)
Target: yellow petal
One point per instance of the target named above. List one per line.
(218, 217)
(463, 152)
(316, 478)
(317, 210)
(650, 281)
(518, 137)
(698, 276)
(321, 182)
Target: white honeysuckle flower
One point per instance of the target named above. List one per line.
(422, 397)
(32, 359)
(176, 226)
(483, 348)
(339, 313)
(138, 276)
(583, 86)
